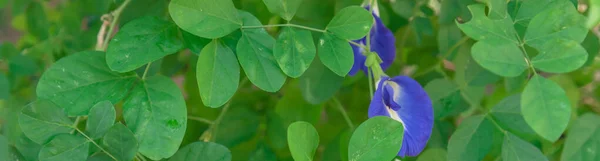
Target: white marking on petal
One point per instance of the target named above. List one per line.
(397, 89)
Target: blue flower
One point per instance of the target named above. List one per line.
(403, 99)
(382, 42)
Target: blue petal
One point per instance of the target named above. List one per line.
(382, 42)
(403, 99)
(416, 114)
(359, 57)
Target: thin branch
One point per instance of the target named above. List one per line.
(200, 119)
(285, 25)
(115, 18)
(340, 107)
(93, 142)
(146, 70)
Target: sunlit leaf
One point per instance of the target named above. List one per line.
(546, 107)
(284, 8)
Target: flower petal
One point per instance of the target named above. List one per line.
(382, 42)
(416, 113)
(359, 58)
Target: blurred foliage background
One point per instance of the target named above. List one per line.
(430, 48)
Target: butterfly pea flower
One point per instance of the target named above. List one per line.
(404, 99)
(382, 42)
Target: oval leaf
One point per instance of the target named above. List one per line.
(303, 140)
(255, 53)
(156, 112)
(560, 56)
(205, 18)
(508, 115)
(504, 59)
(378, 138)
(472, 140)
(294, 51)
(102, 116)
(514, 148)
(351, 23)
(120, 142)
(65, 147)
(79, 81)
(582, 144)
(336, 54)
(42, 120)
(546, 107)
(218, 74)
(202, 151)
(284, 8)
(140, 42)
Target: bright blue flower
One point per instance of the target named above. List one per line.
(403, 99)
(382, 42)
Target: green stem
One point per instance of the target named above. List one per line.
(75, 124)
(115, 18)
(370, 77)
(340, 107)
(285, 25)
(93, 142)
(357, 44)
(458, 44)
(495, 123)
(140, 157)
(200, 119)
(146, 70)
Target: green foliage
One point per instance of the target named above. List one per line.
(140, 42)
(119, 79)
(378, 138)
(303, 139)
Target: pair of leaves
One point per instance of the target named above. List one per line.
(554, 29)
(76, 83)
(350, 23)
(557, 41)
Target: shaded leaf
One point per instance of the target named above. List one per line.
(202, 151)
(65, 147)
(514, 148)
(156, 112)
(284, 8)
(582, 141)
(120, 142)
(78, 82)
(472, 140)
(140, 42)
(102, 116)
(42, 120)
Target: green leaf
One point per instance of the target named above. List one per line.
(255, 54)
(65, 147)
(140, 42)
(436, 154)
(205, 18)
(4, 87)
(78, 82)
(514, 148)
(100, 157)
(593, 14)
(120, 142)
(42, 120)
(238, 125)
(218, 74)
(29, 149)
(303, 140)
(22, 65)
(3, 148)
(448, 36)
(546, 107)
(37, 22)
(482, 28)
(202, 151)
(560, 22)
(284, 8)
(336, 54)
(445, 96)
(156, 112)
(351, 23)
(472, 140)
(319, 84)
(582, 141)
(560, 56)
(294, 51)
(193, 42)
(263, 153)
(508, 115)
(503, 59)
(378, 138)
(102, 116)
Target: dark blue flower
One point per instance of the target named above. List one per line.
(403, 99)
(382, 42)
